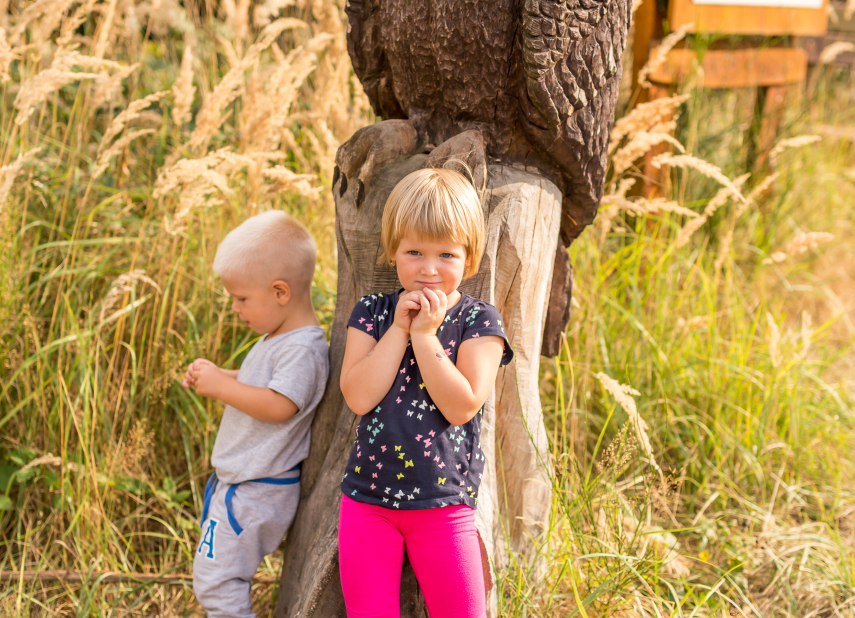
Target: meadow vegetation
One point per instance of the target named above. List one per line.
(700, 413)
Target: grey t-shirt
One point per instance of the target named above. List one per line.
(294, 364)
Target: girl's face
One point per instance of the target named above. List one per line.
(438, 265)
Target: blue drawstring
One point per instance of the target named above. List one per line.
(230, 493)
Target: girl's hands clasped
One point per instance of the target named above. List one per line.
(434, 304)
(407, 308)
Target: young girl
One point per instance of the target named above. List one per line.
(418, 366)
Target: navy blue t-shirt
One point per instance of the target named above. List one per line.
(406, 454)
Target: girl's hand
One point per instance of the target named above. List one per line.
(434, 304)
(206, 377)
(408, 307)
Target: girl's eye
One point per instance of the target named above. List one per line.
(413, 252)
(446, 255)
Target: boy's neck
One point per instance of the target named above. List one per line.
(300, 313)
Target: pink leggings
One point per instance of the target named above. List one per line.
(443, 548)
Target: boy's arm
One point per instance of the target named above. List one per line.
(258, 402)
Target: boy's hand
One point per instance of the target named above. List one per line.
(205, 376)
(434, 304)
(407, 308)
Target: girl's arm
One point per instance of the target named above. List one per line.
(369, 366)
(458, 391)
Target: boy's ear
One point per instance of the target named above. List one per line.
(282, 291)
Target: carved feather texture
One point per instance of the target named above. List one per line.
(564, 69)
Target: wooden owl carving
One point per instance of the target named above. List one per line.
(538, 78)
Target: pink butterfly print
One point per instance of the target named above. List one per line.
(441, 465)
(379, 466)
(487, 323)
(402, 388)
(371, 458)
(458, 466)
(476, 335)
(427, 453)
(412, 361)
(452, 342)
(404, 370)
(436, 458)
(361, 320)
(374, 476)
(427, 442)
(467, 455)
(462, 483)
(369, 327)
(408, 379)
(418, 437)
(398, 400)
(383, 448)
(465, 473)
(373, 486)
(432, 433)
(359, 453)
(448, 351)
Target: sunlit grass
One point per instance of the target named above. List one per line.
(743, 369)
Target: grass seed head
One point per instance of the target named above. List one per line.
(659, 54)
(688, 230)
(791, 142)
(774, 340)
(640, 144)
(830, 52)
(704, 167)
(8, 173)
(183, 91)
(644, 117)
(623, 395)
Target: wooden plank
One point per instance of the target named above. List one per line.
(738, 68)
(759, 20)
(647, 23)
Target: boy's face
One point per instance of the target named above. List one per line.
(258, 306)
(438, 265)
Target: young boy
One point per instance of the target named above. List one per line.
(266, 264)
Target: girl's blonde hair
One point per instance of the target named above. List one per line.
(435, 204)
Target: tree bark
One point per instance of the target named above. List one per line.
(522, 211)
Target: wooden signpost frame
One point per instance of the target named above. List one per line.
(771, 68)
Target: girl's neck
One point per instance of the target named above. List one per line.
(454, 298)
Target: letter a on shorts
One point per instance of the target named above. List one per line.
(208, 539)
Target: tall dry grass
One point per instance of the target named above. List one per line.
(701, 410)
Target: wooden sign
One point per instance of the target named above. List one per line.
(758, 17)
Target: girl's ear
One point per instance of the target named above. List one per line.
(282, 291)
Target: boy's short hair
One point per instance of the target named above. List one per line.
(435, 204)
(267, 247)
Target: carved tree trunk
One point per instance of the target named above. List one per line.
(522, 212)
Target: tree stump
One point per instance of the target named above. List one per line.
(523, 213)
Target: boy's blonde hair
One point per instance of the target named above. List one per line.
(268, 247)
(435, 204)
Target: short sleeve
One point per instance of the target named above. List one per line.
(483, 319)
(298, 371)
(363, 316)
